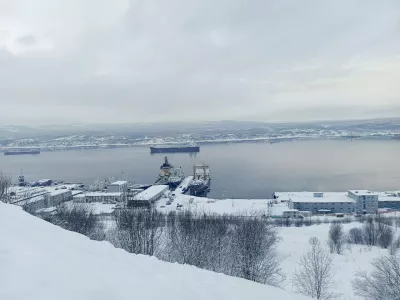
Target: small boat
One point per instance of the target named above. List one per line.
(201, 182)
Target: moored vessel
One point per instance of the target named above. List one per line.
(181, 148)
(169, 175)
(201, 182)
(22, 152)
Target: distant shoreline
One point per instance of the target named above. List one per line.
(271, 140)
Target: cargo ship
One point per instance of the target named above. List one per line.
(169, 175)
(22, 152)
(175, 149)
(201, 182)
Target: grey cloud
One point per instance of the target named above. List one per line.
(207, 60)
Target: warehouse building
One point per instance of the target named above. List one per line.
(366, 201)
(148, 196)
(102, 197)
(117, 187)
(321, 203)
(390, 201)
(358, 201)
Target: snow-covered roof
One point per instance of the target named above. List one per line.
(364, 192)
(59, 192)
(287, 195)
(76, 192)
(103, 194)
(388, 198)
(120, 182)
(39, 255)
(151, 192)
(327, 198)
(79, 196)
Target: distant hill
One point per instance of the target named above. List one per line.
(165, 129)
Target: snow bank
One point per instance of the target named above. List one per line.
(41, 261)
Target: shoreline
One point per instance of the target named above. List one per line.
(273, 140)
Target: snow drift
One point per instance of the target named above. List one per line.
(41, 261)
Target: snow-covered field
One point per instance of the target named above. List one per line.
(208, 205)
(41, 261)
(355, 258)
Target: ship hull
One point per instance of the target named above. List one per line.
(200, 189)
(33, 152)
(174, 149)
(174, 184)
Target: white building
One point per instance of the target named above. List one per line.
(57, 197)
(103, 197)
(153, 193)
(318, 202)
(117, 187)
(40, 197)
(366, 201)
(80, 198)
(148, 196)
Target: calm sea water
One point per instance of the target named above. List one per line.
(246, 170)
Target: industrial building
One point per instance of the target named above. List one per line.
(117, 187)
(38, 198)
(148, 196)
(321, 203)
(358, 201)
(390, 200)
(366, 201)
(103, 197)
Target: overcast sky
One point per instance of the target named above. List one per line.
(85, 61)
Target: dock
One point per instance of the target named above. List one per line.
(184, 186)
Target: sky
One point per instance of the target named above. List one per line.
(119, 61)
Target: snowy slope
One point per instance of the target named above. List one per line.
(41, 261)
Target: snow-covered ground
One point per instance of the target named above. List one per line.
(243, 207)
(41, 261)
(355, 258)
(208, 205)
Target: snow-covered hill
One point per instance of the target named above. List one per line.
(41, 261)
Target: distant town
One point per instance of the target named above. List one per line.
(130, 136)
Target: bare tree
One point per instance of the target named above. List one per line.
(355, 236)
(139, 231)
(5, 183)
(77, 217)
(370, 232)
(336, 238)
(314, 277)
(255, 256)
(385, 237)
(384, 281)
